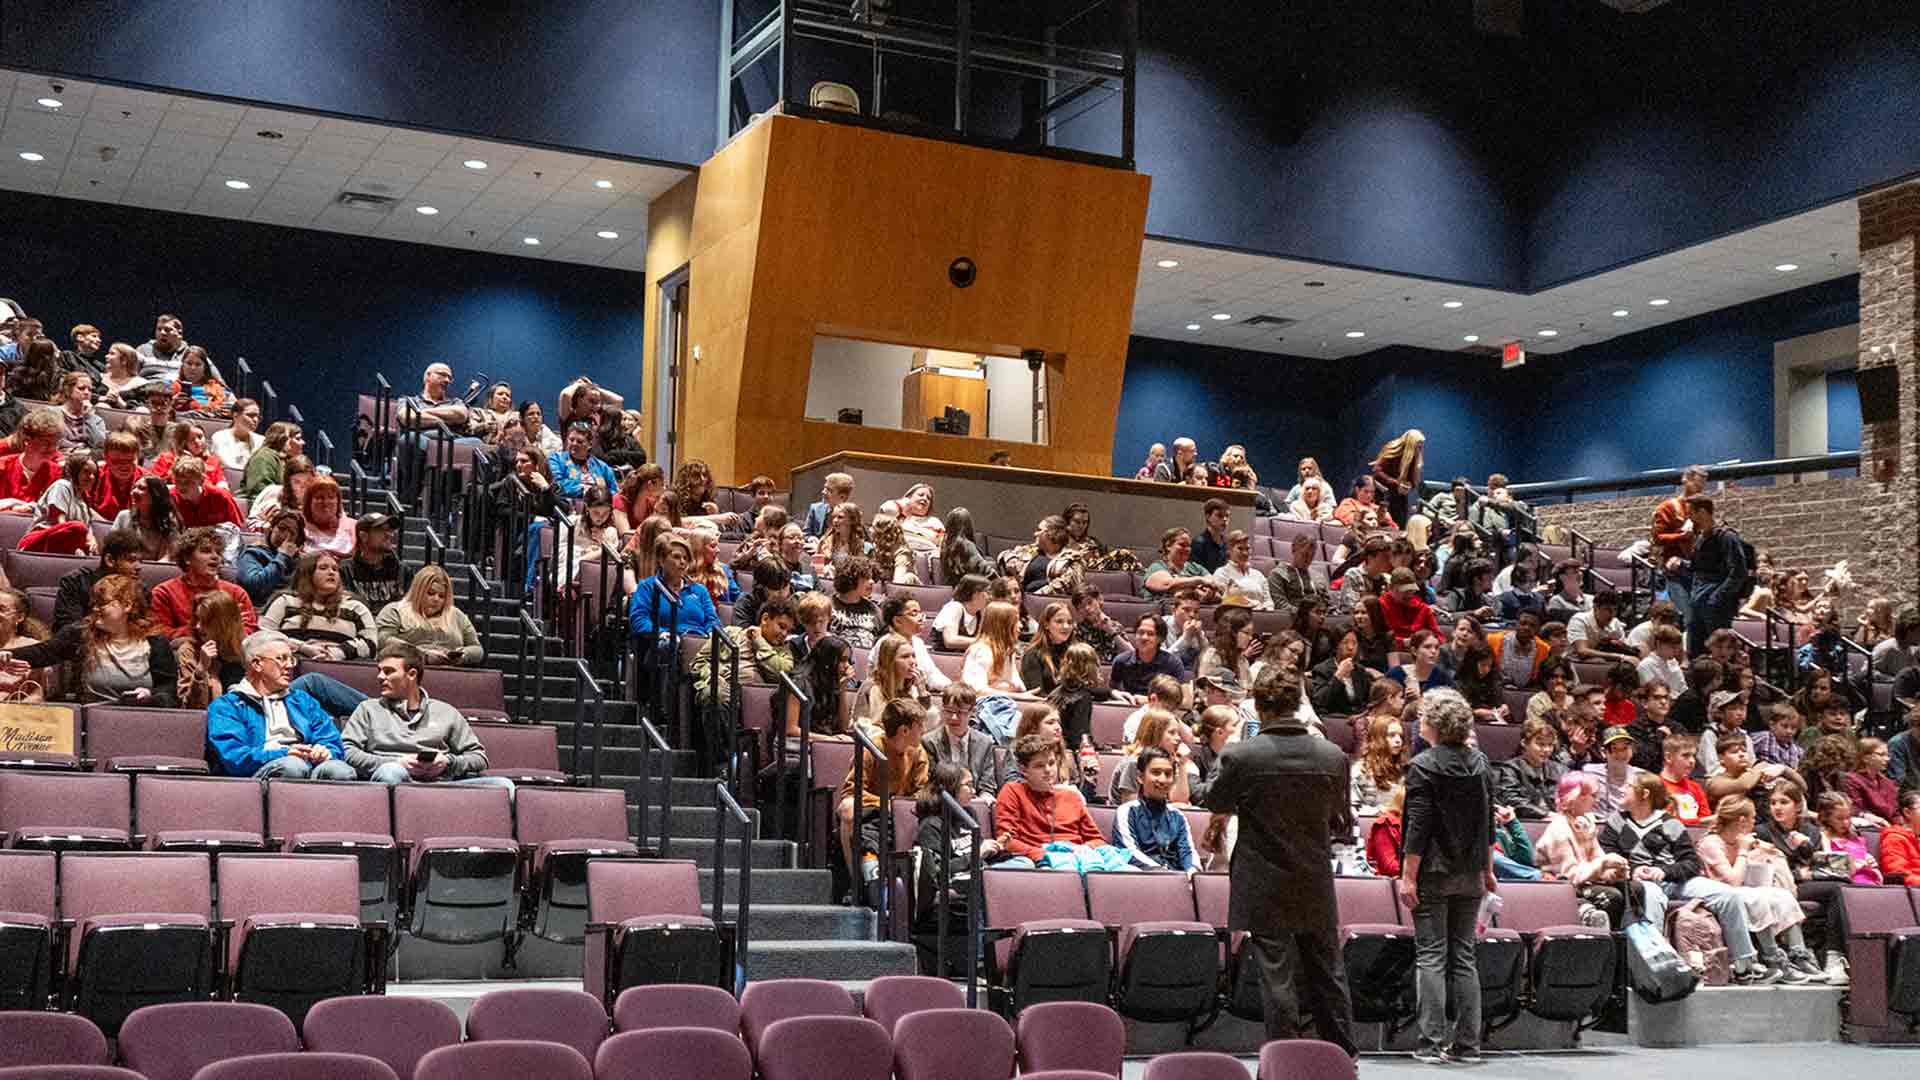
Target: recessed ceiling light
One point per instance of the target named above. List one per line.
(607, 234)
(1221, 316)
(238, 185)
(1356, 333)
(427, 210)
(1619, 313)
(1660, 302)
(28, 155)
(474, 163)
(49, 103)
(1549, 333)
(530, 241)
(603, 184)
(1787, 268)
(1314, 284)
(1193, 326)
(1471, 338)
(1451, 304)
(268, 133)
(1167, 264)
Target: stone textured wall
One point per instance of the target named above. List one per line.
(1807, 526)
(1890, 451)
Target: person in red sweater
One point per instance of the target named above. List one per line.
(185, 439)
(1869, 786)
(112, 490)
(24, 476)
(199, 504)
(1406, 612)
(198, 556)
(1383, 840)
(1035, 813)
(1686, 799)
(1900, 842)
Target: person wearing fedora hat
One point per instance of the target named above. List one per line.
(1407, 613)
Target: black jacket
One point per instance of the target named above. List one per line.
(1529, 791)
(1720, 570)
(1290, 790)
(1799, 856)
(1332, 698)
(1449, 819)
(1661, 841)
(74, 596)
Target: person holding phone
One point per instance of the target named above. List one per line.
(405, 736)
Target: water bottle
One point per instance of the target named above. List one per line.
(1089, 757)
(1491, 905)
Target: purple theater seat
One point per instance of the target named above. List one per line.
(200, 814)
(463, 864)
(953, 1044)
(397, 1030)
(1072, 1036)
(569, 1017)
(891, 997)
(298, 1066)
(1196, 1065)
(504, 1060)
(524, 753)
(176, 1041)
(30, 1037)
(564, 827)
(127, 738)
(676, 1005)
(652, 901)
(763, 1004)
(674, 1053)
(65, 811)
(27, 915)
(69, 1072)
(814, 1047)
(1282, 1059)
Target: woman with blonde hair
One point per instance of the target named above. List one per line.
(707, 570)
(1731, 855)
(1158, 728)
(992, 662)
(427, 619)
(1382, 763)
(638, 550)
(1397, 469)
(894, 675)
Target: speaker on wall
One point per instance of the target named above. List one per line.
(1879, 393)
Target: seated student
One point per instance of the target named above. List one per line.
(1424, 672)
(198, 556)
(958, 622)
(1164, 692)
(1663, 866)
(764, 651)
(1835, 813)
(374, 573)
(1667, 645)
(1555, 697)
(1618, 747)
(960, 554)
(199, 389)
(1387, 835)
(1519, 593)
(322, 619)
(1526, 781)
(1034, 813)
(428, 619)
(770, 582)
(1831, 720)
(1661, 613)
(405, 736)
(1796, 834)
(1382, 762)
(113, 485)
(836, 489)
(25, 475)
(264, 728)
(236, 444)
(1156, 835)
(199, 504)
(992, 665)
(901, 615)
(265, 565)
(186, 440)
(1519, 653)
(1779, 744)
(121, 384)
(1181, 632)
(1686, 799)
(1362, 509)
(1689, 713)
(1093, 627)
(209, 657)
(1407, 614)
(1729, 713)
(1175, 569)
(1480, 685)
(1569, 597)
(62, 518)
(893, 675)
(1474, 595)
(1595, 633)
(1040, 665)
(1135, 669)
(667, 595)
(1740, 777)
(1900, 842)
(1082, 774)
(898, 732)
(824, 668)
(924, 532)
(856, 618)
(946, 859)
(82, 426)
(296, 475)
(1731, 855)
(1076, 688)
(958, 743)
(1236, 576)
(1569, 849)
(1873, 792)
(762, 543)
(1162, 728)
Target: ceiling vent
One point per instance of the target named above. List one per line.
(360, 200)
(1267, 320)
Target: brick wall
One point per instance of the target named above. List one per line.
(1807, 526)
(1890, 450)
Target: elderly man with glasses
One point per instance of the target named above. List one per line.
(265, 728)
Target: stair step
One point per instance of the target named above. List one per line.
(692, 821)
(774, 886)
(767, 854)
(828, 959)
(822, 923)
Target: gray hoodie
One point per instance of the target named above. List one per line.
(377, 733)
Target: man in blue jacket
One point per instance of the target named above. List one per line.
(261, 728)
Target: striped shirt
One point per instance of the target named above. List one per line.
(350, 628)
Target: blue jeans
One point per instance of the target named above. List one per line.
(1446, 971)
(336, 697)
(1722, 900)
(394, 772)
(289, 767)
(1505, 869)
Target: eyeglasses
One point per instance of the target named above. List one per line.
(276, 659)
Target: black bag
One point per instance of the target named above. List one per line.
(1380, 975)
(1657, 972)
(1572, 972)
(1903, 973)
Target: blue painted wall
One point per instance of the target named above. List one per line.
(319, 313)
(606, 76)
(1843, 411)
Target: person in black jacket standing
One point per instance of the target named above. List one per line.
(1720, 575)
(1289, 788)
(1444, 871)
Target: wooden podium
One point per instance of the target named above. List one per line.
(927, 391)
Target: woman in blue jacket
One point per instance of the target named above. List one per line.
(667, 601)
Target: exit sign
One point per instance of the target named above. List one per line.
(1512, 355)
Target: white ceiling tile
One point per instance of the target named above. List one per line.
(254, 119)
(198, 124)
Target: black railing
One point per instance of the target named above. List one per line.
(534, 633)
(585, 686)
(863, 745)
(269, 401)
(778, 725)
(727, 811)
(1667, 478)
(652, 742)
(324, 444)
(436, 548)
(951, 813)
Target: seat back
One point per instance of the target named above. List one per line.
(99, 883)
(674, 1053)
(1500, 742)
(27, 882)
(1169, 961)
(807, 1047)
(422, 811)
(894, 996)
(27, 569)
(519, 746)
(1366, 900)
(1194, 1065)
(1305, 1057)
(1535, 905)
(673, 1005)
(295, 807)
(172, 804)
(73, 800)
(33, 1037)
(397, 1030)
(1110, 724)
(252, 886)
(622, 889)
(504, 1060)
(120, 731)
(298, 1066)
(26, 930)
(1017, 896)
(359, 674)
(762, 1004)
(469, 689)
(1072, 1035)
(545, 814)
(175, 1041)
(569, 1017)
(953, 1044)
(1122, 899)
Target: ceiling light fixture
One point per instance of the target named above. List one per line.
(1167, 264)
(530, 241)
(268, 133)
(1193, 326)
(1314, 284)
(1787, 268)
(1471, 338)
(429, 211)
(603, 184)
(1619, 313)
(607, 234)
(1356, 333)
(28, 155)
(1662, 302)
(49, 103)
(1452, 304)
(1549, 333)
(238, 185)
(474, 163)
(1221, 316)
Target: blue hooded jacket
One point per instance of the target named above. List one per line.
(237, 729)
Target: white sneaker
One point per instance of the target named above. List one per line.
(1837, 968)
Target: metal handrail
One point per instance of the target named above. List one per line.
(779, 724)
(436, 547)
(384, 434)
(726, 809)
(583, 684)
(950, 812)
(652, 741)
(864, 745)
(242, 376)
(325, 443)
(269, 400)
(531, 629)
(294, 414)
(1847, 459)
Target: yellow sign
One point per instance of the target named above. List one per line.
(36, 729)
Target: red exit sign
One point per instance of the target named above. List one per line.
(1512, 355)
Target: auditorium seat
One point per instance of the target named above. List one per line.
(1282, 1058)
(27, 919)
(673, 1053)
(49, 1038)
(1212, 894)
(1377, 944)
(200, 813)
(1109, 724)
(1194, 1065)
(667, 1005)
(1498, 741)
(12, 528)
(891, 997)
(1071, 1035)
(1881, 932)
(524, 753)
(810, 1047)
(42, 602)
(141, 931)
(955, 1043)
(1041, 944)
(1570, 967)
(1169, 961)
(397, 1030)
(651, 909)
(318, 817)
(298, 1066)
(26, 569)
(1340, 732)
(553, 1014)
(132, 738)
(65, 811)
(462, 862)
(296, 937)
(560, 829)
(175, 1041)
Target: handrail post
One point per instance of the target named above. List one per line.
(242, 376)
(949, 807)
(864, 745)
(780, 755)
(726, 807)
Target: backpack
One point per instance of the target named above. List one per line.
(1744, 583)
(1695, 934)
(1656, 972)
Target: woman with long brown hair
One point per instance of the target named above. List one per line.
(637, 552)
(1040, 667)
(1382, 762)
(324, 620)
(209, 657)
(991, 665)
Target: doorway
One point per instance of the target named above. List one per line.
(671, 361)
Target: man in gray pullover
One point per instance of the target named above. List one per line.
(404, 736)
